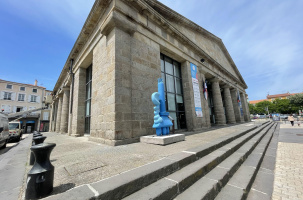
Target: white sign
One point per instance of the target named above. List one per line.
(197, 98)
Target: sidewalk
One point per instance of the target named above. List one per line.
(13, 160)
(78, 161)
(288, 183)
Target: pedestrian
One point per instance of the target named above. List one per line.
(291, 119)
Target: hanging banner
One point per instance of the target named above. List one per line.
(239, 102)
(197, 98)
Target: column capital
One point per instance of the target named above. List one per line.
(214, 80)
(226, 85)
(65, 88)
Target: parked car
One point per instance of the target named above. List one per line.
(15, 130)
(283, 117)
(4, 132)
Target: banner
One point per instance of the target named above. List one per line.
(239, 102)
(197, 98)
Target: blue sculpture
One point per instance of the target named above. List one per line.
(161, 120)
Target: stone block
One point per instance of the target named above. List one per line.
(77, 193)
(162, 189)
(162, 140)
(117, 187)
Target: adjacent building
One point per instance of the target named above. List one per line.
(105, 87)
(280, 96)
(273, 97)
(17, 97)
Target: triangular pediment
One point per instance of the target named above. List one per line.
(209, 43)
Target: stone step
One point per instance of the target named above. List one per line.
(213, 181)
(262, 187)
(209, 186)
(183, 178)
(129, 182)
(240, 183)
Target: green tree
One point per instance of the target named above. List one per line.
(284, 106)
(262, 107)
(296, 99)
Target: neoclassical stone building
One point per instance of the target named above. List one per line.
(105, 86)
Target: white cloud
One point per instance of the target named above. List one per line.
(264, 39)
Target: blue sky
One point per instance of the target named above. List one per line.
(264, 38)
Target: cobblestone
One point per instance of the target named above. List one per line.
(288, 183)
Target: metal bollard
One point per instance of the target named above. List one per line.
(40, 178)
(36, 140)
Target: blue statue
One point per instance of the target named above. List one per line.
(161, 120)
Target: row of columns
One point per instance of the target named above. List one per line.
(60, 111)
(232, 107)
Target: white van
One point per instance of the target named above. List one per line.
(4, 131)
(15, 130)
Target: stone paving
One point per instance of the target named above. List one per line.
(78, 161)
(288, 183)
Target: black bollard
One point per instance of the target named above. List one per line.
(37, 134)
(36, 140)
(40, 178)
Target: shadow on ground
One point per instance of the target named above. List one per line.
(62, 188)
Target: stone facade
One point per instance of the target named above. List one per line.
(122, 41)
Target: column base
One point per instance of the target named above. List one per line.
(76, 135)
(114, 142)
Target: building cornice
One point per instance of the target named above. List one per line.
(86, 31)
(177, 17)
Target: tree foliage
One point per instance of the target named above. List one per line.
(283, 106)
(296, 99)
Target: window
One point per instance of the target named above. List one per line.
(9, 86)
(22, 88)
(7, 96)
(171, 75)
(88, 99)
(21, 97)
(34, 90)
(19, 109)
(33, 98)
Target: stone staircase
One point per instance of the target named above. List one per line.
(223, 169)
(225, 173)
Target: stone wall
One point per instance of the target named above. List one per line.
(103, 89)
(79, 103)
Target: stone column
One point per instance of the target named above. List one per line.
(248, 112)
(243, 102)
(64, 112)
(218, 104)
(78, 122)
(51, 117)
(54, 117)
(229, 109)
(58, 121)
(244, 106)
(236, 107)
(70, 113)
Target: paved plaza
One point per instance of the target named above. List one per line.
(79, 161)
(288, 183)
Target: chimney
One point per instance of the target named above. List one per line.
(36, 82)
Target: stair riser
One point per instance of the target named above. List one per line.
(267, 138)
(187, 182)
(217, 188)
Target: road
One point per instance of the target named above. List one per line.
(13, 160)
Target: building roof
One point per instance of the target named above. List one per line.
(30, 85)
(281, 95)
(257, 101)
(154, 7)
